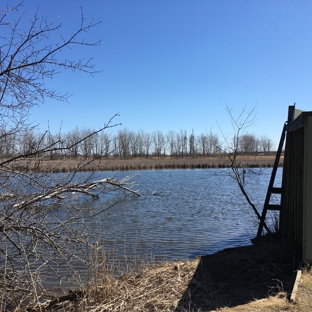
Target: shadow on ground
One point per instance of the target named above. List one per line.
(239, 275)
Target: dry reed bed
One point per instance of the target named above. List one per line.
(155, 288)
(114, 164)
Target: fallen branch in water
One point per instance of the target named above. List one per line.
(71, 296)
(84, 188)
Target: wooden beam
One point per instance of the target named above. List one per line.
(274, 207)
(296, 284)
(276, 190)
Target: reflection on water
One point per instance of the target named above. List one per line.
(181, 214)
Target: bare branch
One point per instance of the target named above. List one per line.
(28, 58)
(72, 188)
(41, 227)
(244, 120)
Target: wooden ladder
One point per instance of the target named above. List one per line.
(271, 189)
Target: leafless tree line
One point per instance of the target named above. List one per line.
(126, 144)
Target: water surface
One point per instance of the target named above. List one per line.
(182, 213)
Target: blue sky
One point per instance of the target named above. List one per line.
(176, 64)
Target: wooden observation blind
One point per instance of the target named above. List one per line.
(295, 206)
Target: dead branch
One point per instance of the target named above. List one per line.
(71, 296)
(83, 188)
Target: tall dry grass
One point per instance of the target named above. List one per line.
(142, 286)
(135, 284)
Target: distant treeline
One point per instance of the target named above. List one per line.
(127, 144)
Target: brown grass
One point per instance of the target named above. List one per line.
(114, 164)
(251, 278)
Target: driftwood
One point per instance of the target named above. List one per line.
(57, 192)
(6, 196)
(71, 296)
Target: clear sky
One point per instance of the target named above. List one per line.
(176, 64)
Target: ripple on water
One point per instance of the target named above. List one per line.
(197, 212)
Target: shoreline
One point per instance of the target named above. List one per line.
(247, 278)
(138, 163)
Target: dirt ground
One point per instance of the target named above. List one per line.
(242, 279)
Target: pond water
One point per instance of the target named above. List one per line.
(182, 214)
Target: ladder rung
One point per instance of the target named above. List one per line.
(276, 190)
(274, 207)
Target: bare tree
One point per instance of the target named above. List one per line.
(232, 147)
(265, 144)
(140, 143)
(170, 139)
(159, 143)
(105, 143)
(192, 150)
(72, 138)
(147, 143)
(248, 144)
(39, 219)
(184, 142)
(213, 144)
(123, 140)
(179, 138)
(87, 144)
(202, 144)
(134, 139)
